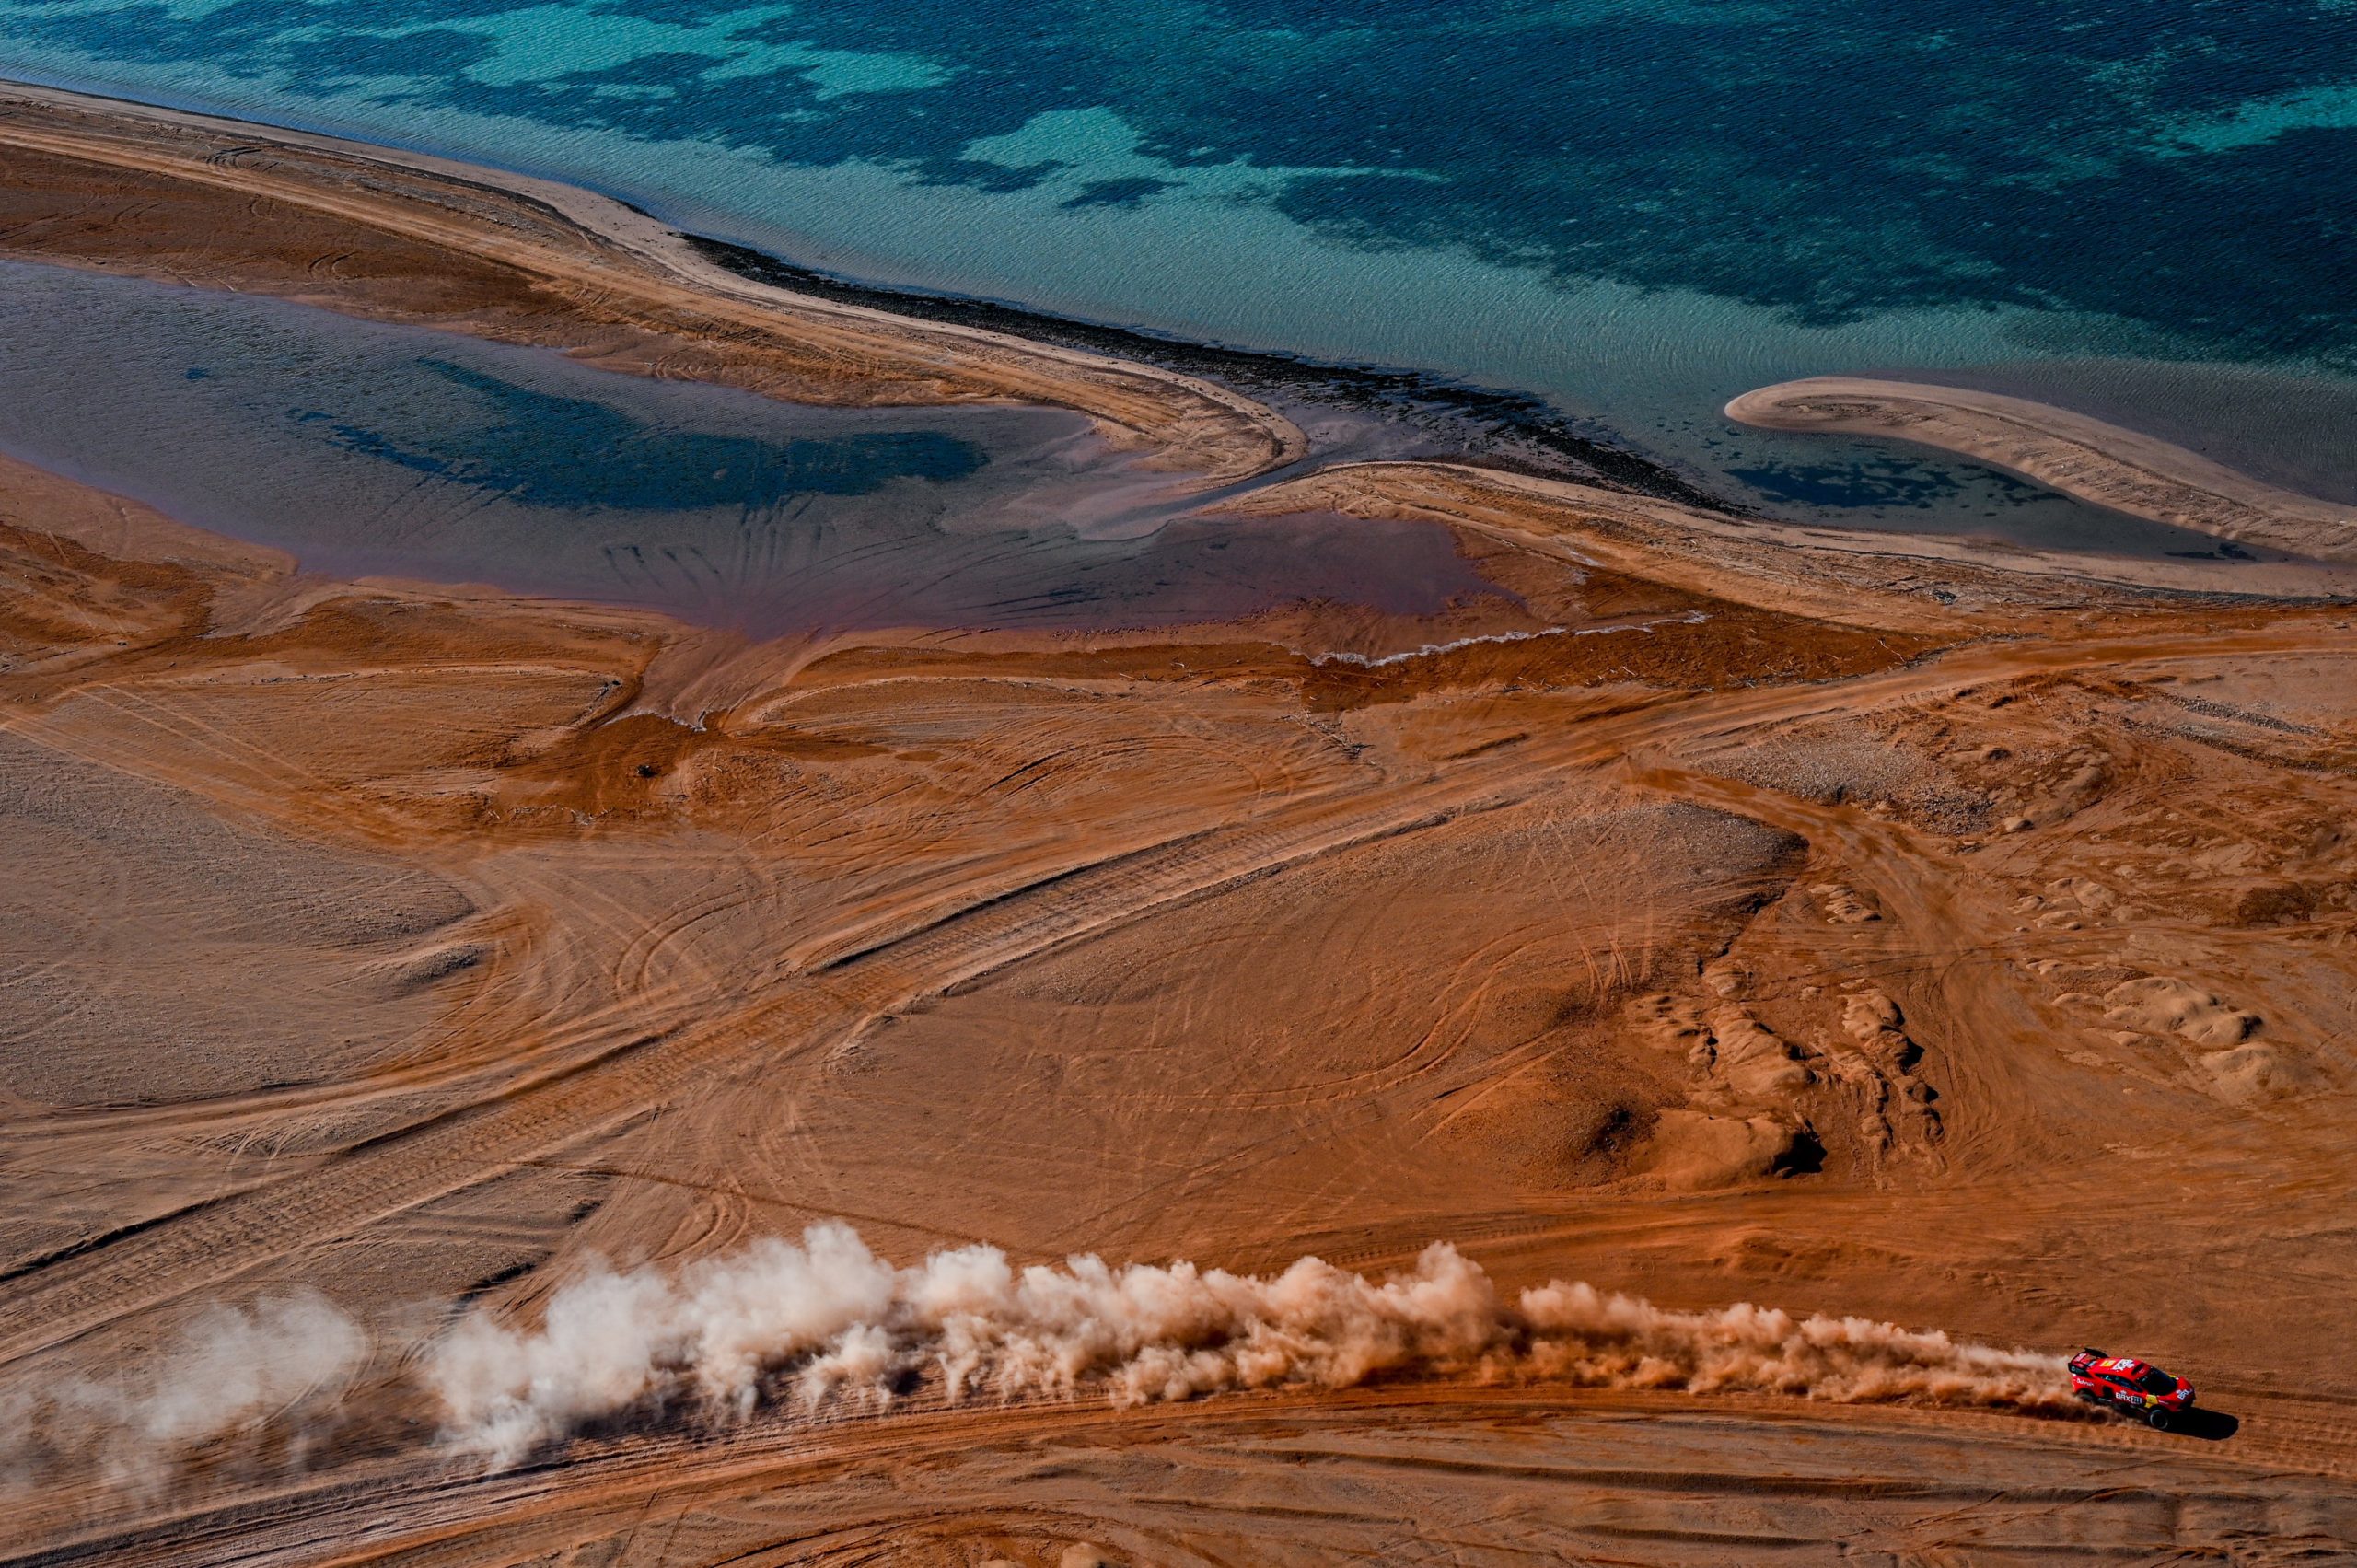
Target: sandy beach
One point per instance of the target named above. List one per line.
(1716, 912)
(2098, 463)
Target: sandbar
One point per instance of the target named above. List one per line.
(2106, 464)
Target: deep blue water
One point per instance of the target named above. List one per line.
(1633, 207)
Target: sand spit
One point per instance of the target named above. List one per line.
(577, 268)
(2086, 457)
(408, 238)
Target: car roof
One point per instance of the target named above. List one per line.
(2127, 1363)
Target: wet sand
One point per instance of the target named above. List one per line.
(2078, 455)
(1814, 920)
(402, 237)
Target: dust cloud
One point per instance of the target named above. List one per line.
(826, 1325)
(227, 1369)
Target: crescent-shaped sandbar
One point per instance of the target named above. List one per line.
(2104, 464)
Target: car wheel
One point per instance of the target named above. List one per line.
(2159, 1418)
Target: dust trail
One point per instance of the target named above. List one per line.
(825, 1324)
(229, 1368)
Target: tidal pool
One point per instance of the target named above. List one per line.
(371, 450)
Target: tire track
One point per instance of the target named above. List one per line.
(839, 990)
(1622, 1464)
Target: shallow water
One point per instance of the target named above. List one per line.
(1636, 208)
(371, 450)
(2299, 432)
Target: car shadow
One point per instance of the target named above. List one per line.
(2211, 1426)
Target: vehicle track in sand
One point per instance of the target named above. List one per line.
(1438, 1473)
(621, 1071)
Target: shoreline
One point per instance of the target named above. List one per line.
(2107, 465)
(563, 267)
(1894, 581)
(1515, 430)
(571, 241)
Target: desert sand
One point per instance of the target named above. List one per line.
(2124, 469)
(434, 1020)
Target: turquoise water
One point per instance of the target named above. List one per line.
(1633, 207)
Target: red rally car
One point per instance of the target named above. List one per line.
(2138, 1387)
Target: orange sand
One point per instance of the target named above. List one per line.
(1854, 931)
